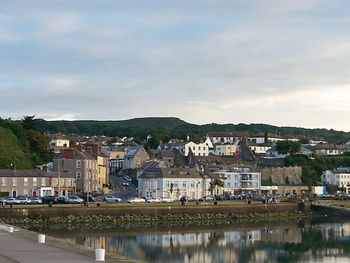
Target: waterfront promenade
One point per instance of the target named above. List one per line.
(21, 246)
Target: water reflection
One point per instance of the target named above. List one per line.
(301, 241)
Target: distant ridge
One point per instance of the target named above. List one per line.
(167, 127)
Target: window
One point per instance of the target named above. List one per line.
(167, 183)
(25, 192)
(184, 185)
(25, 181)
(14, 182)
(78, 164)
(78, 175)
(176, 184)
(192, 184)
(35, 183)
(194, 147)
(199, 148)
(43, 181)
(203, 148)
(3, 181)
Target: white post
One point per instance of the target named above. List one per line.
(41, 238)
(100, 254)
(59, 176)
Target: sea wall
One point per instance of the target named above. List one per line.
(138, 213)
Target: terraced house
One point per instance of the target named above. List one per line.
(173, 183)
(29, 182)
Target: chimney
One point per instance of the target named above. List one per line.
(68, 153)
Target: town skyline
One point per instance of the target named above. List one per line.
(278, 62)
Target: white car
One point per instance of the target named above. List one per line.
(111, 199)
(168, 200)
(154, 200)
(136, 200)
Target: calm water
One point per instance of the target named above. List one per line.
(317, 240)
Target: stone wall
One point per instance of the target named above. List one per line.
(119, 215)
(282, 175)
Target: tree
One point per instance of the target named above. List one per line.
(29, 123)
(214, 184)
(288, 147)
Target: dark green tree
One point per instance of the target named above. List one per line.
(288, 147)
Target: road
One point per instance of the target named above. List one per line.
(123, 192)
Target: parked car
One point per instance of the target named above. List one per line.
(11, 200)
(154, 200)
(73, 199)
(167, 200)
(49, 199)
(125, 184)
(85, 197)
(111, 199)
(62, 199)
(36, 200)
(24, 200)
(136, 200)
(206, 198)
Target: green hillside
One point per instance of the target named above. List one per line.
(12, 152)
(22, 145)
(164, 128)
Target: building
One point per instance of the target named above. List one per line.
(82, 165)
(223, 138)
(135, 157)
(238, 180)
(115, 166)
(227, 149)
(173, 183)
(28, 182)
(259, 148)
(339, 177)
(199, 149)
(59, 143)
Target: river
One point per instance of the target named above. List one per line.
(300, 240)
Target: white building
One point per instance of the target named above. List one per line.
(238, 180)
(199, 149)
(173, 183)
(223, 138)
(59, 143)
(339, 177)
(261, 139)
(225, 149)
(259, 148)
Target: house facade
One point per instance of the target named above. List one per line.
(173, 183)
(199, 149)
(226, 150)
(339, 177)
(223, 138)
(82, 165)
(238, 180)
(135, 157)
(28, 182)
(58, 143)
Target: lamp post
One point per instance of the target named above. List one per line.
(59, 176)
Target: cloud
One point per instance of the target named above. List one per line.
(281, 62)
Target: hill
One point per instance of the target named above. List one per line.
(165, 128)
(21, 145)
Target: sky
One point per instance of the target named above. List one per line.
(279, 62)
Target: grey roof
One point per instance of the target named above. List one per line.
(157, 172)
(133, 151)
(33, 173)
(167, 153)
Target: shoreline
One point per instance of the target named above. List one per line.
(151, 214)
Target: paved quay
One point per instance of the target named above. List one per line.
(21, 246)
